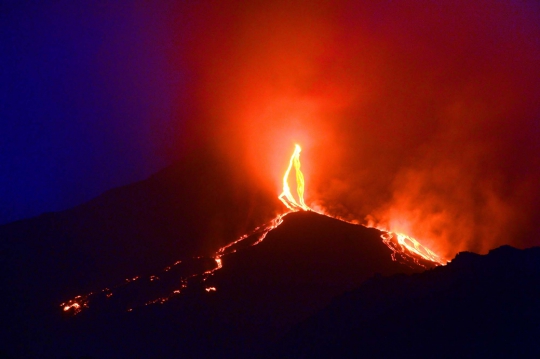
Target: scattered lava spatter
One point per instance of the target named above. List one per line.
(404, 249)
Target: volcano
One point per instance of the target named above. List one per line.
(260, 292)
(163, 268)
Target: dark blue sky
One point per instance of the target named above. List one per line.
(88, 98)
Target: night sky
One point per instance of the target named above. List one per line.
(87, 102)
(422, 117)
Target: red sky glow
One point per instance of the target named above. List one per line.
(421, 115)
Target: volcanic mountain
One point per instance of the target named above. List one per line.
(138, 266)
(261, 291)
(196, 261)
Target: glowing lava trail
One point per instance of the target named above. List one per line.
(80, 302)
(176, 278)
(286, 196)
(405, 248)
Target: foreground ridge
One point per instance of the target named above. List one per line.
(488, 304)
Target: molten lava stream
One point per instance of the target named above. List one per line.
(403, 247)
(169, 275)
(286, 196)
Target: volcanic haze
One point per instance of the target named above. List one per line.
(422, 117)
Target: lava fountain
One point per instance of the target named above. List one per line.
(286, 196)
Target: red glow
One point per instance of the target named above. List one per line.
(407, 248)
(425, 112)
(419, 117)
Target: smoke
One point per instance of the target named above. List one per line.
(419, 116)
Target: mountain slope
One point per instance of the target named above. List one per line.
(180, 212)
(261, 292)
(475, 307)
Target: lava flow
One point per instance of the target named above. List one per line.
(286, 196)
(403, 247)
(175, 278)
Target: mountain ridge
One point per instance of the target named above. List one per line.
(476, 306)
(261, 291)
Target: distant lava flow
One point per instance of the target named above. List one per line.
(175, 278)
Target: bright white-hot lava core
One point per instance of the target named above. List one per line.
(404, 249)
(286, 196)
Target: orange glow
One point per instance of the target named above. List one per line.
(402, 244)
(413, 246)
(286, 196)
(404, 248)
(75, 305)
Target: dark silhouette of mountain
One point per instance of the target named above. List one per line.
(477, 306)
(266, 300)
(189, 210)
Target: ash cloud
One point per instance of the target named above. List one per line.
(423, 117)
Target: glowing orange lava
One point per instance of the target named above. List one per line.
(398, 242)
(404, 248)
(286, 196)
(80, 302)
(75, 305)
(404, 245)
